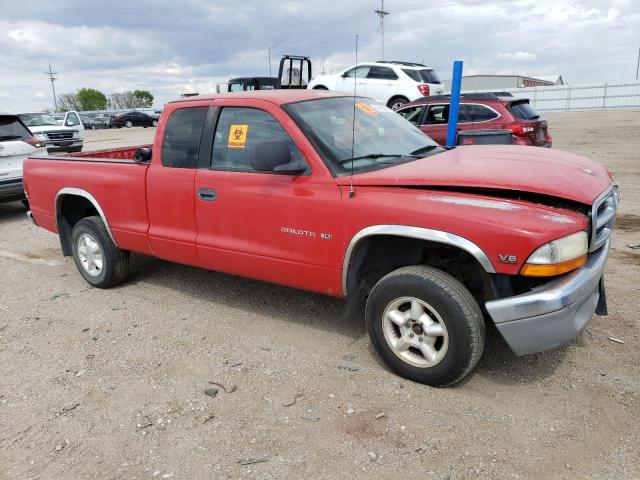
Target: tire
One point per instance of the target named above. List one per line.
(90, 241)
(397, 102)
(450, 329)
(26, 204)
(93, 126)
(154, 123)
(128, 124)
(320, 87)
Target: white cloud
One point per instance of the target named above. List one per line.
(518, 56)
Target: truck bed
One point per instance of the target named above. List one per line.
(112, 155)
(110, 176)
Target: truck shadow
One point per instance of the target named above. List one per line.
(12, 211)
(498, 363)
(251, 296)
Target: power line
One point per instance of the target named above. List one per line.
(52, 77)
(382, 13)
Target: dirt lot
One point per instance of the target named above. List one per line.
(110, 384)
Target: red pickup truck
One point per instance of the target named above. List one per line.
(324, 192)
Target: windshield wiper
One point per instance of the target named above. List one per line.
(371, 156)
(425, 149)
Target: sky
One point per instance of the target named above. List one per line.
(174, 47)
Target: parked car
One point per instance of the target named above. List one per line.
(16, 143)
(286, 186)
(65, 137)
(103, 118)
(92, 122)
(392, 83)
(133, 119)
(483, 111)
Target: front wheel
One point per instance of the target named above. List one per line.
(426, 325)
(128, 124)
(97, 257)
(154, 123)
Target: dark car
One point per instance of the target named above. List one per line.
(133, 119)
(482, 111)
(92, 122)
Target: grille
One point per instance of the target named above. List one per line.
(60, 135)
(603, 215)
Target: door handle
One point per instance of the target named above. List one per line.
(207, 194)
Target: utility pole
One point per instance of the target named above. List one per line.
(52, 77)
(269, 52)
(382, 13)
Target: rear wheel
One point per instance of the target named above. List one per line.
(397, 102)
(97, 257)
(154, 123)
(425, 325)
(128, 124)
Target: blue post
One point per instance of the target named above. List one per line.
(454, 107)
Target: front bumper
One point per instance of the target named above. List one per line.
(11, 189)
(64, 145)
(554, 313)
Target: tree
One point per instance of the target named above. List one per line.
(68, 101)
(143, 98)
(91, 99)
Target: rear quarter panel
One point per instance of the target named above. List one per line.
(119, 188)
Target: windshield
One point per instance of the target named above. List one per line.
(380, 137)
(37, 119)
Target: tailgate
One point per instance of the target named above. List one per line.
(12, 154)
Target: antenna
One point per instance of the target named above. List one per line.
(353, 122)
(52, 77)
(382, 13)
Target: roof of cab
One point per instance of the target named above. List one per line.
(278, 97)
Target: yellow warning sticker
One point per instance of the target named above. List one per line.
(366, 108)
(238, 136)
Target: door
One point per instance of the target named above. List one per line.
(281, 228)
(354, 77)
(170, 186)
(73, 120)
(381, 83)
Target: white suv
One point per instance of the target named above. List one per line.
(392, 83)
(16, 144)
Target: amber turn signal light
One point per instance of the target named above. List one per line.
(533, 270)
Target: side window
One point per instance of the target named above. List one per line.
(412, 114)
(439, 115)
(73, 120)
(239, 131)
(480, 113)
(181, 139)
(358, 72)
(382, 73)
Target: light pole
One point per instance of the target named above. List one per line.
(269, 52)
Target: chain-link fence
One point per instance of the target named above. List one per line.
(571, 98)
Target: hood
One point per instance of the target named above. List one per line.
(51, 128)
(515, 168)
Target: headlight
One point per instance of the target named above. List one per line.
(557, 257)
(41, 136)
(76, 134)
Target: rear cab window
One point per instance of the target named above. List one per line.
(239, 131)
(12, 129)
(181, 137)
(523, 111)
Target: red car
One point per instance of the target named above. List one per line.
(286, 186)
(479, 112)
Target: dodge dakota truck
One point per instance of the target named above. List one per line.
(340, 195)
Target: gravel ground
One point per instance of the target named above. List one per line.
(111, 383)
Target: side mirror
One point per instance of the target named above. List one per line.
(142, 155)
(69, 123)
(274, 156)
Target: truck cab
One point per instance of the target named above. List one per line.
(340, 195)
